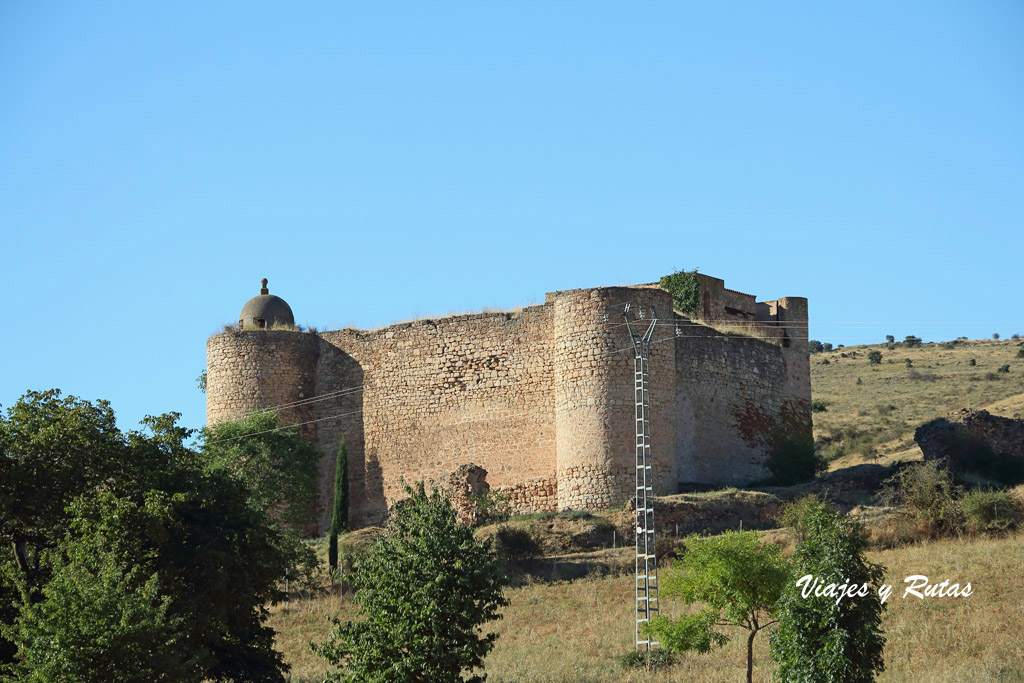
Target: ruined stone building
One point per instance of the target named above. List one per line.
(541, 397)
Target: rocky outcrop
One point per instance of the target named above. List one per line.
(976, 442)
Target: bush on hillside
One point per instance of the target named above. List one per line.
(991, 511)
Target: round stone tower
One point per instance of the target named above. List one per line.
(258, 368)
(595, 436)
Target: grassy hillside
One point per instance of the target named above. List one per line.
(872, 410)
(575, 631)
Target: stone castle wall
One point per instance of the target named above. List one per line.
(541, 398)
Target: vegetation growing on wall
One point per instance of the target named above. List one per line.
(685, 291)
(785, 435)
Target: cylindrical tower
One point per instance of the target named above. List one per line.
(258, 368)
(250, 371)
(594, 395)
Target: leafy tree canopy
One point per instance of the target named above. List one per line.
(278, 466)
(738, 580)
(819, 638)
(424, 592)
(118, 546)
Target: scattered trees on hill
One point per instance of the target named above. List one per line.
(424, 591)
(911, 341)
(131, 556)
(738, 579)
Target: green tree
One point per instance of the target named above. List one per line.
(99, 617)
(815, 346)
(278, 466)
(132, 535)
(339, 518)
(737, 578)
(874, 357)
(424, 592)
(822, 638)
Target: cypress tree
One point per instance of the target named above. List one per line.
(339, 518)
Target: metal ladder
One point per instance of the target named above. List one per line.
(646, 553)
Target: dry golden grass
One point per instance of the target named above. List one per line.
(892, 400)
(576, 631)
(742, 329)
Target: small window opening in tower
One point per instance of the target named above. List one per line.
(261, 323)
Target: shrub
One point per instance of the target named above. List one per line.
(911, 341)
(991, 511)
(827, 346)
(1020, 353)
(685, 291)
(1004, 368)
(874, 357)
(926, 493)
(492, 508)
(815, 346)
(651, 660)
(890, 339)
(995, 335)
(972, 362)
(819, 406)
(514, 544)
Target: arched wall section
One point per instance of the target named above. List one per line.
(594, 397)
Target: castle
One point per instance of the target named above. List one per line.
(541, 397)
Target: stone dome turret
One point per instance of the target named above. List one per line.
(265, 310)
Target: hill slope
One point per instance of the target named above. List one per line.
(872, 410)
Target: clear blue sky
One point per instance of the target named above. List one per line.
(382, 161)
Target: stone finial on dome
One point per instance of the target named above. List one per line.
(265, 311)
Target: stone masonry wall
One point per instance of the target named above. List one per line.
(541, 398)
(718, 376)
(439, 394)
